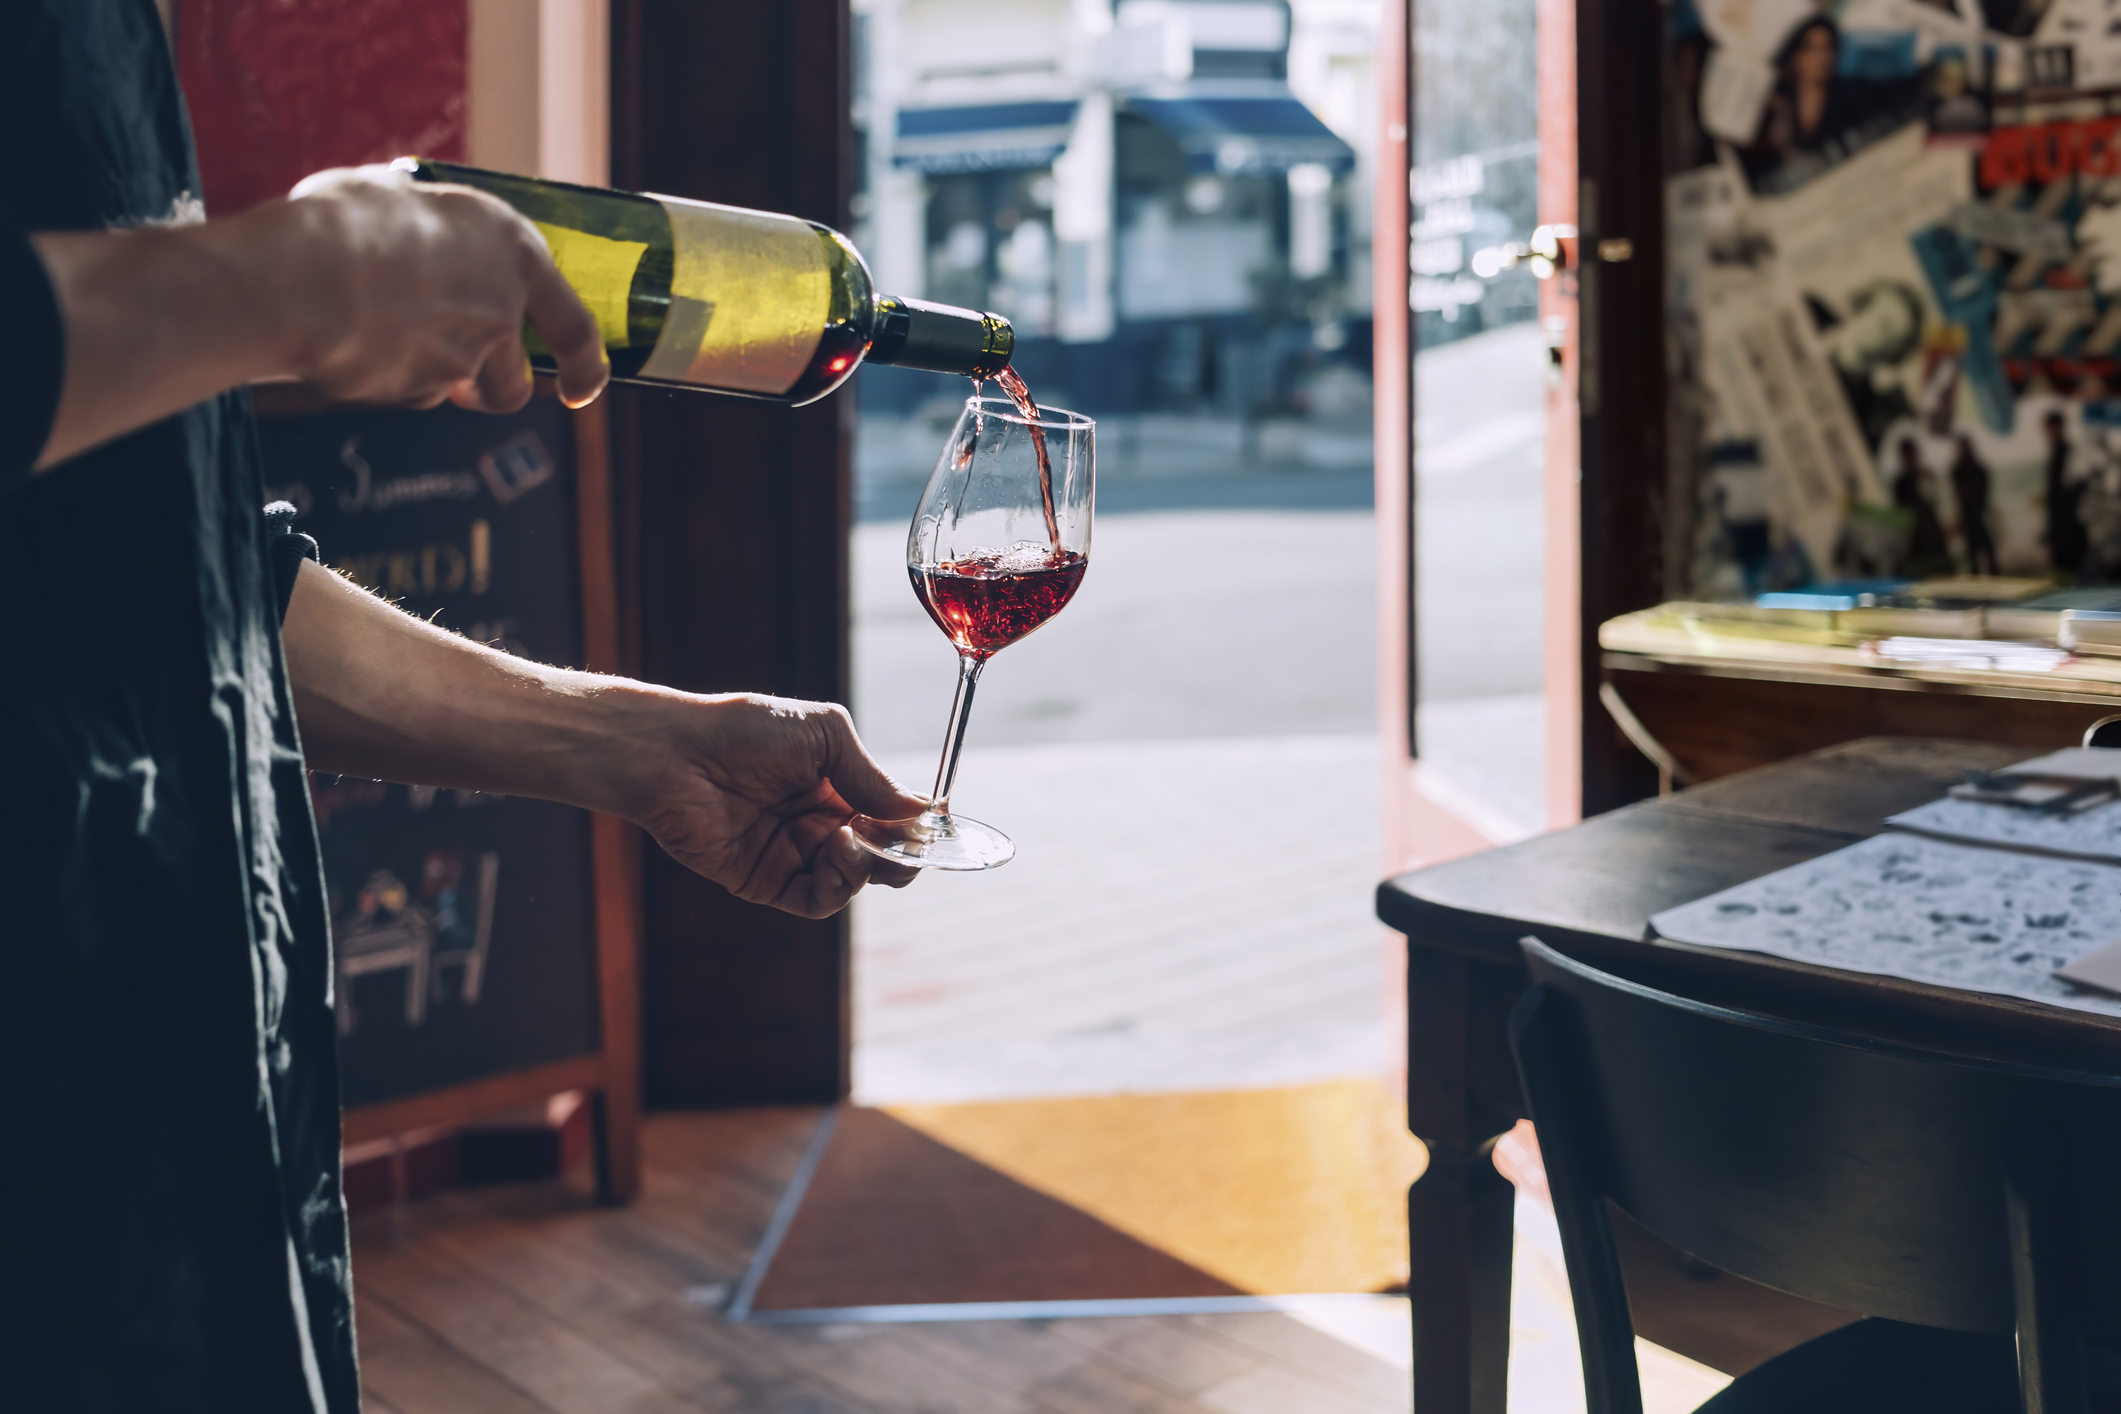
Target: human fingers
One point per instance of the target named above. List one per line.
(829, 837)
(837, 872)
(503, 382)
(333, 179)
(856, 776)
(891, 876)
(568, 329)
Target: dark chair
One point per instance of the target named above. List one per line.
(1929, 1190)
(2104, 732)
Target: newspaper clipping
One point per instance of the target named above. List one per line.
(1894, 289)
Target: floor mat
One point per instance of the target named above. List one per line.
(1111, 1197)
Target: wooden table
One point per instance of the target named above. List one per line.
(1590, 891)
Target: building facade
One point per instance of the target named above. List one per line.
(1169, 198)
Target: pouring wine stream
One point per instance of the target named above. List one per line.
(1019, 393)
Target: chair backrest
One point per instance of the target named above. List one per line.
(1925, 1188)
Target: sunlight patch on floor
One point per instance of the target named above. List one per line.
(1279, 1191)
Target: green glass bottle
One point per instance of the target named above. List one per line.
(692, 294)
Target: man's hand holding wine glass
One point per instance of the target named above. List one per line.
(757, 793)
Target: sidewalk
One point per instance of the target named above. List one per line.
(1181, 915)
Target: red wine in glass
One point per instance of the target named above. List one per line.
(999, 545)
(990, 599)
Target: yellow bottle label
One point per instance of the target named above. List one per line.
(749, 292)
(601, 271)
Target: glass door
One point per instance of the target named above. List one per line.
(1480, 388)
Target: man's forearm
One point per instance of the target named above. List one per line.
(381, 694)
(157, 320)
(755, 793)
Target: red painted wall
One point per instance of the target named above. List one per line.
(281, 88)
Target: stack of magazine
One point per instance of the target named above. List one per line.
(2083, 620)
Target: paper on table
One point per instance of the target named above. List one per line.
(1949, 915)
(2094, 834)
(2090, 834)
(2099, 968)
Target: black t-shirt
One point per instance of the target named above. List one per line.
(171, 1231)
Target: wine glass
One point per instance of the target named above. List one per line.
(998, 546)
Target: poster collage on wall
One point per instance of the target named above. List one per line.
(1894, 289)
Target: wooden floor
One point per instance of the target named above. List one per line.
(527, 1299)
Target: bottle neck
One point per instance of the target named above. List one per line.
(940, 338)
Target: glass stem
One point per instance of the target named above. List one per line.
(968, 668)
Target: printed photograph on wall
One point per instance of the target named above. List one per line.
(1894, 290)
(462, 922)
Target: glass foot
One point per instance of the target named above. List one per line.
(933, 841)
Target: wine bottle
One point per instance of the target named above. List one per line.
(695, 295)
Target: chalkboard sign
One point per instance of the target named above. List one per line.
(471, 951)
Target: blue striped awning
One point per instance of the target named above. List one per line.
(991, 137)
(1245, 135)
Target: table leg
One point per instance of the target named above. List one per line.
(1460, 1232)
(1461, 1097)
